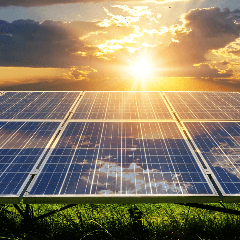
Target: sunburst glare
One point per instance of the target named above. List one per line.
(141, 68)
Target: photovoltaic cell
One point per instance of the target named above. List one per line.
(113, 158)
(36, 105)
(205, 105)
(219, 144)
(122, 105)
(21, 144)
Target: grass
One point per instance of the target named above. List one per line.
(121, 221)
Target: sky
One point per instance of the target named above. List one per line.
(175, 45)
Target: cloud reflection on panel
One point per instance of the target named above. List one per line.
(219, 143)
(21, 144)
(151, 158)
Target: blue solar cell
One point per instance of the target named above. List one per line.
(60, 159)
(10, 183)
(76, 183)
(81, 168)
(19, 167)
(6, 159)
(230, 188)
(55, 168)
(63, 151)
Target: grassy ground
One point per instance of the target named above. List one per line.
(118, 221)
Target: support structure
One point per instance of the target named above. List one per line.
(28, 214)
(211, 208)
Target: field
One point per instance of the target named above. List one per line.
(121, 221)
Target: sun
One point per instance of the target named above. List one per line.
(142, 68)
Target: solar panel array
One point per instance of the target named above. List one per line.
(122, 105)
(105, 147)
(36, 105)
(205, 105)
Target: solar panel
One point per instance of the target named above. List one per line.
(106, 147)
(205, 105)
(21, 144)
(128, 159)
(122, 105)
(219, 144)
(36, 105)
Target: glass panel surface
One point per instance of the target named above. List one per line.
(36, 105)
(122, 105)
(205, 105)
(21, 144)
(219, 144)
(121, 158)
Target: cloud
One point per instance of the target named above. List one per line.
(31, 3)
(25, 75)
(202, 70)
(48, 44)
(34, 3)
(225, 62)
(79, 73)
(202, 30)
(236, 53)
(205, 70)
(124, 37)
(56, 44)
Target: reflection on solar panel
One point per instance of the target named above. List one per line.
(21, 144)
(122, 105)
(219, 144)
(36, 105)
(205, 105)
(106, 147)
(131, 159)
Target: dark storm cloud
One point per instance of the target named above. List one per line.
(212, 22)
(236, 14)
(31, 44)
(51, 43)
(203, 30)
